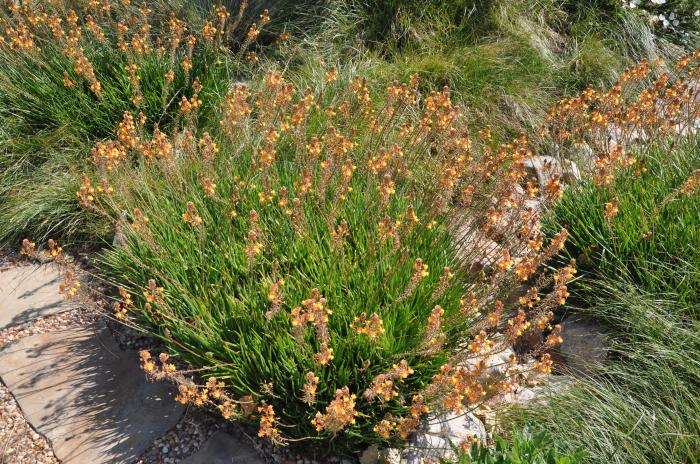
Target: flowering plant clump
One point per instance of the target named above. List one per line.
(84, 64)
(637, 212)
(72, 69)
(332, 265)
(651, 103)
(340, 264)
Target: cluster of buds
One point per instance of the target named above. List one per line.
(191, 216)
(561, 278)
(236, 108)
(107, 155)
(275, 297)
(154, 293)
(86, 194)
(127, 133)
(433, 337)
(54, 249)
(28, 248)
(268, 422)
(310, 388)
(70, 286)
(372, 326)
(140, 220)
(253, 244)
(382, 387)
(420, 272)
(339, 413)
(121, 308)
(315, 312)
(155, 371)
(692, 184)
(611, 209)
(190, 105)
(402, 426)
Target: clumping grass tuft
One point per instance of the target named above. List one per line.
(642, 405)
(68, 77)
(311, 259)
(653, 237)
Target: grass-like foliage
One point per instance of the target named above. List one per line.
(635, 233)
(653, 237)
(312, 258)
(524, 447)
(642, 405)
(68, 76)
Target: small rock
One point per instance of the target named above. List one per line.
(464, 427)
(542, 169)
(445, 432)
(475, 249)
(370, 455)
(223, 448)
(527, 394)
(119, 239)
(389, 456)
(571, 172)
(585, 344)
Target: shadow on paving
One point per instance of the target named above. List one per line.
(30, 292)
(89, 398)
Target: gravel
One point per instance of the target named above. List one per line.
(195, 427)
(19, 443)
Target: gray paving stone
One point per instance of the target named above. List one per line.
(28, 292)
(223, 448)
(89, 398)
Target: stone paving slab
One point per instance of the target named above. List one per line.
(29, 292)
(223, 448)
(89, 398)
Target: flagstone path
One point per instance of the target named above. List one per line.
(84, 399)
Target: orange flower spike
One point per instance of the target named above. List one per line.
(54, 249)
(332, 75)
(268, 421)
(505, 262)
(86, 194)
(191, 215)
(385, 427)
(555, 338)
(544, 364)
(28, 248)
(67, 82)
(339, 413)
(611, 209)
(147, 363)
(310, 387)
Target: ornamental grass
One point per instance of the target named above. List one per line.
(335, 266)
(332, 265)
(331, 268)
